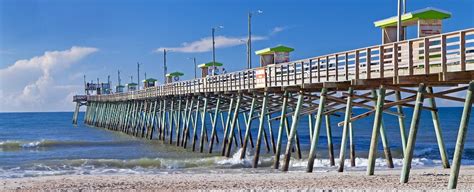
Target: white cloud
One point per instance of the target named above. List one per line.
(29, 85)
(205, 44)
(276, 30)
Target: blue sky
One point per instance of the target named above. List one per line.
(110, 35)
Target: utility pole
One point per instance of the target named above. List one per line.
(108, 82)
(213, 52)
(138, 75)
(195, 67)
(85, 86)
(165, 68)
(214, 49)
(249, 40)
(399, 21)
(118, 79)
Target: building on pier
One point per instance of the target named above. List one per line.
(274, 55)
(428, 21)
(119, 89)
(131, 87)
(172, 77)
(208, 68)
(150, 82)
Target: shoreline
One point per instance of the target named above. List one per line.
(435, 178)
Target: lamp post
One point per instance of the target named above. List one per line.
(399, 21)
(138, 75)
(214, 48)
(249, 40)
(165, 68)
(195, 66)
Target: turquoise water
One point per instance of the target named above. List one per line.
(36, 144)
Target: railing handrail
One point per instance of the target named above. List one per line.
(298, 71)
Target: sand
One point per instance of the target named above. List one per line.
(421, 179)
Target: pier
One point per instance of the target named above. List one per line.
(188, 113)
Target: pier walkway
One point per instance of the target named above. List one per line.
(380, 79)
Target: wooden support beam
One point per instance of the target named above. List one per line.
(314, 142)
(260, 130)
(345, 130)
(412, 135)
(462, 133)
(437, 129)
(276, 162)
(375, 131)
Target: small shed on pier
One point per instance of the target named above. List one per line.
(274, 55)
(428, 21)
(150, 82)
(119, 88)
(211, 68)
(170, 77)
(131, 87)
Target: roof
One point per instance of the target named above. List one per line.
(118, 86)
(271, 50)
(175, 74)
(149, 80)
(426, 13)
(210, 64)
(131, 84)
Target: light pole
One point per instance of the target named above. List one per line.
(165, 69)
(138, 75)
(214, 48)
(195, 66)
(399, 21)
(249, 40)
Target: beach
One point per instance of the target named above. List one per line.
(420, 179)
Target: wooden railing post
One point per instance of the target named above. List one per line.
(356, 62)
(311, 71)
(395, 62)
(337, 66)
(346, 68)
(410, 57)
(462, 50)
(381, 61)
(368, 62)
(319, 69)
(302, 73)
(444, 67)
(295, 76)
(426, 55)
(327, 68)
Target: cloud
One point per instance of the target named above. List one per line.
(276, 30)
(29, 85)
(205, 44)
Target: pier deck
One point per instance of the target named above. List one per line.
(319, 87)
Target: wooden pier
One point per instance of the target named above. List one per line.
(189, 113)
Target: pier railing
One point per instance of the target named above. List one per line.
(438, 54)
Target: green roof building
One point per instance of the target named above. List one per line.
(173, 76)
(274, 55)
(428, 21)
(150, 82)
(211, 65)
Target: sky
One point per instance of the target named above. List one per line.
(46, 46)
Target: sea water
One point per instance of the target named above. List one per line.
(38, 144)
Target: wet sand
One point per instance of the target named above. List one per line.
(420, 179)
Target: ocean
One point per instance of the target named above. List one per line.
(39, 144)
